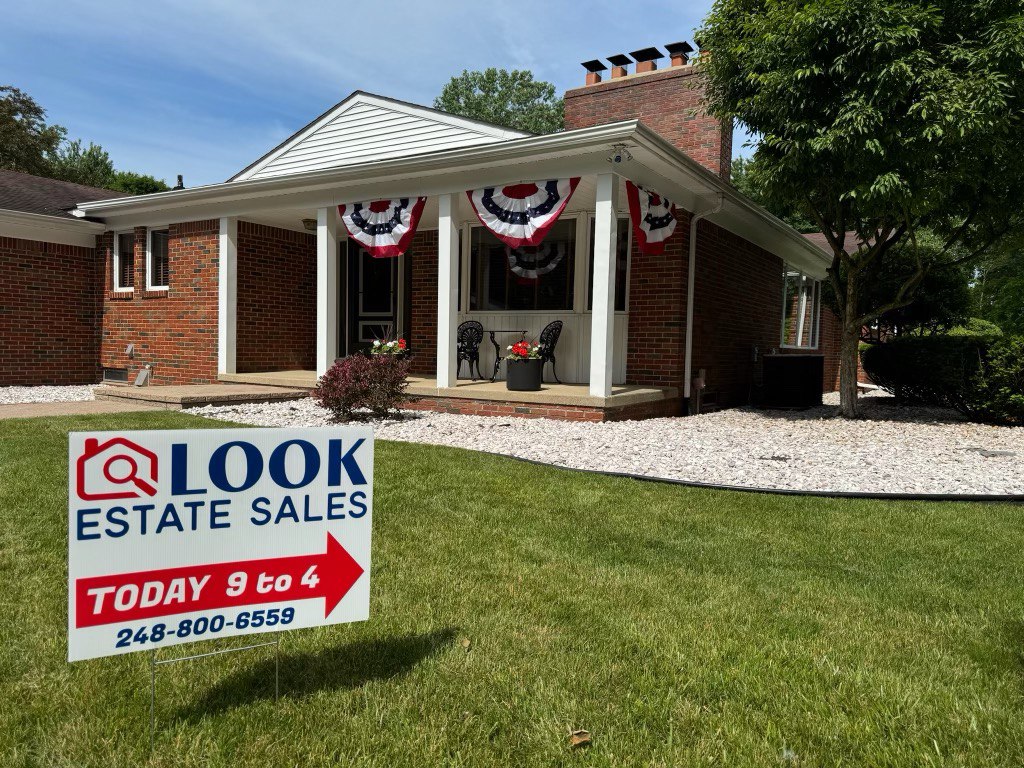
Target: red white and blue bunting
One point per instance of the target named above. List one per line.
(653, 218)
(530, 263)
(383, 227)
(522, 214)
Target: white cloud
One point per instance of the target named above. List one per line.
(206, 87)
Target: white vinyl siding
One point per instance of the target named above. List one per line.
(366, 131)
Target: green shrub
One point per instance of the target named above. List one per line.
(976, 326)
(999, 393)
(980, 376)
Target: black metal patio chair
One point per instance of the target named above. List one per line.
(468, 337)
(547, 341)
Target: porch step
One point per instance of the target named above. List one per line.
(176, 397)
(290, 379)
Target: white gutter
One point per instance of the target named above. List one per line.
(691, 278)
(597, 138)
(51, 229)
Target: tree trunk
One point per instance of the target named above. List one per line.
(849, 352)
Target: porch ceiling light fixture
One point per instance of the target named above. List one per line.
(309, 225)
(619, 154)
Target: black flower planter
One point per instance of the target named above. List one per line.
(524, 375)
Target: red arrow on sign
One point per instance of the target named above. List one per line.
(169, 591)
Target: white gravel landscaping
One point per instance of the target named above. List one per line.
(892, 449)
(45, 394)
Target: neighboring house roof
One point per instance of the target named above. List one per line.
(38, 209)
(367, 127)
(822, 242)
(46, 197)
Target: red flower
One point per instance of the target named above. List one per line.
(401, 343)
(521, 349)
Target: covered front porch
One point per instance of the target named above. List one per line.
(454, 271)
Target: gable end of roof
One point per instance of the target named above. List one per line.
(367, 126)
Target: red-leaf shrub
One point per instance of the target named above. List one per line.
(357, 382)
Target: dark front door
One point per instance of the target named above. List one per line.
(372, 298)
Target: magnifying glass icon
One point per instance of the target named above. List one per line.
(122, 468)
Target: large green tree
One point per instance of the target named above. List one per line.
(28, 144)
(26, 141)
(137, 183)
(746, 177)
(90, 165)
(883, 118)
(998, 286)
(511, 99)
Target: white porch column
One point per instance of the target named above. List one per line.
(447, 290)
(602, 330)
(326, 288)
(227, 295)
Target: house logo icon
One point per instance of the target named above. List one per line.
(115, 469)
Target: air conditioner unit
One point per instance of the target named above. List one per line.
(789, 381)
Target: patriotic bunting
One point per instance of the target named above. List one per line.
(384, 227)
(531, 263)
(522, 214)
(653, 218)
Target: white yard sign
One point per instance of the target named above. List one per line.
(176, 536)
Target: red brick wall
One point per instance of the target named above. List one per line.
(47, 313)
(737, 306)
(667, 101)
(276, 299)
(175, 329)
(657, 312)
(422, 260)
(650, 410)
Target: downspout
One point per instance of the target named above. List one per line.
(691, 278)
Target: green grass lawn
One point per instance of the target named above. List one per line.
(680, 626)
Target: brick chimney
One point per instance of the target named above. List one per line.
(666, 100)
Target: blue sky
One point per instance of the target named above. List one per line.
(204, 88)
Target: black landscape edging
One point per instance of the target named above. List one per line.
(983, 497)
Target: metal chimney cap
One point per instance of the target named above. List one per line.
(595, 65)
(620, 60)
(682, 47)
(647, 54)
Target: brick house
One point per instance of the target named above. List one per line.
(254, 279)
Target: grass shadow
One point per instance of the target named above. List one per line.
(341, 667)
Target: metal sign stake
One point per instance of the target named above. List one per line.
(154, 663)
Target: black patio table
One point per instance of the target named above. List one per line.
(497, 349)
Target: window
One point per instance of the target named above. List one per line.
(801, 298)
(522, 279)
(157, 266)
(116, 375)
(622, 236)
(124, 261)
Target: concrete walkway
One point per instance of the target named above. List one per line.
(74, 408)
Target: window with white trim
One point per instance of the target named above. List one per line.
(801, 309)
(157, 263)
(124, 261)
